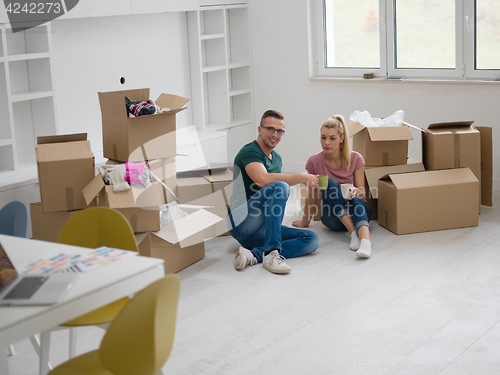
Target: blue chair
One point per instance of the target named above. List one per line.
(14, 219)
(14, 222)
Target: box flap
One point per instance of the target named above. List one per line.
(218, 175)
(390, 133)
(441, 177)
(354, 128)
(93, 188)
(61, 138)
(172, 102)
(374, 174)
(47, 152)
(453, 124)
(185, 227)
(113, 103)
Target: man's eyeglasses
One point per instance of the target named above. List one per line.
(271, 130)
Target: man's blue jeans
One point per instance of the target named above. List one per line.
(334, 206)
(257, 226)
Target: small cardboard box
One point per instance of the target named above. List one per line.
(47, 226)
(181, 242)
(373, 174)
(65, 167)
(212, 188)
(380, 146)
(196, 184)
(430, 200)
(455, 145)
(164, 169)
(141, 206)
(315, 208)
(140, 138)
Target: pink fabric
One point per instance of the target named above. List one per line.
(134, 172)
(316, 165)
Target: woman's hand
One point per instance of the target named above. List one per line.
(301, 223)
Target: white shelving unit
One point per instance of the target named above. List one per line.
(221, 72)
(27, 102)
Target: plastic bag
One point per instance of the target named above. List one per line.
(170, 212)
(364, 118)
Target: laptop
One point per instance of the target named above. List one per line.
(34, 289)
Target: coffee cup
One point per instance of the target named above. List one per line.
(323, 181)
(346, 190)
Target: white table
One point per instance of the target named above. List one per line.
(93, 290)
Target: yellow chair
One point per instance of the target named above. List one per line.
(139, 340)
(92, 227)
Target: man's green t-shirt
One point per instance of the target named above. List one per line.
(243, 186)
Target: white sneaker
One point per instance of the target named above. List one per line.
(275, 263)
(244, 257)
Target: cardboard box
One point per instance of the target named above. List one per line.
(47, 226)
(164, 169)
(141, 206)
(65, 167)
(199, 183)
(460, 144)
(140, 138)
(315, 209)
(211, 187)
(380, 146)
(373, 174)
(430, 200)
(181, 242)
(486, 165)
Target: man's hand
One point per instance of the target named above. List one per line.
(310, 180)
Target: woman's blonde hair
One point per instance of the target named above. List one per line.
(337, 122)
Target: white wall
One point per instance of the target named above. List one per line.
(92, 54)
(279, 32)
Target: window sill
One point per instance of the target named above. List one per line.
(408, 80)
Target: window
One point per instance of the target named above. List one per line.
(436, 39)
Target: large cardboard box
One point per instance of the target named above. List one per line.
(380, 146)
(140, 138)
(181, 242)
(460, 144)
(65, 167)
(141, 206)
(47, 226)
(373, 174)
(428, 201)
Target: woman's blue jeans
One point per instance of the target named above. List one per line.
(257, 226)
(334, 206)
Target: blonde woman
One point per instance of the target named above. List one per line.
(342, 166)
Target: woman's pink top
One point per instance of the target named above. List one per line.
(316, 165)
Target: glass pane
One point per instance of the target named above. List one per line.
(425, 34)
(352, 34)
(487, 34)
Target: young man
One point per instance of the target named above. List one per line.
(258, 201)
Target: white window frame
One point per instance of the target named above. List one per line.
(470, 44)
(464, 47)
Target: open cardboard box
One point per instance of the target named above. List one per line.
(65, 167)
(460, 144)
(141, 206)
(208, 187)
(373, 174)
(380, 146)
(143, 137)
(429, 200)
(181, 242)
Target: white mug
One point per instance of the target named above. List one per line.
(346, 190)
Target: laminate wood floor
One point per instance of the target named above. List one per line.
(426, 303)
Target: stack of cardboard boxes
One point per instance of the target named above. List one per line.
(444, 191)
(68, 181)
